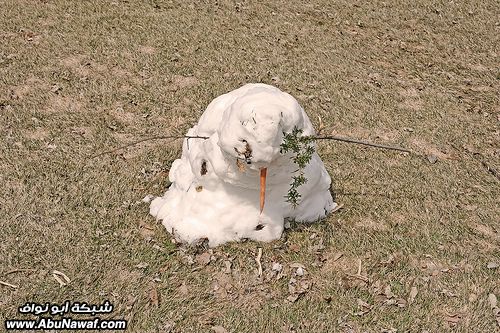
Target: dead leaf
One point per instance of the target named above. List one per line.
(168, 327)
(219, 329)
(203, 259)
(389, 330)
(304, 286)
(277, 267)
(183, 289)
(131, 300)
(492, 265)
(228, 265)
(363, 307)
(390, 259)
(363, 304)
(153, 296)
(388, 293)
(146, 231)
(432, 158)
(492, 300)
(401, 302)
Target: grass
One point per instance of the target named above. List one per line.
(77, 78)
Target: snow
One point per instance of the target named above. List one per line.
(215, 184)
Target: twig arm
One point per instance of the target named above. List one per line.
(161, 137)
(359, 142)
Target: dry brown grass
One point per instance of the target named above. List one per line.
(77, 78)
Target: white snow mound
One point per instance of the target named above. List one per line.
(215, 184)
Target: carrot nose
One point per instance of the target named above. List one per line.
(263, 174)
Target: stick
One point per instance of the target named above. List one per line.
(359, 142)
(257, 259)
(162, 137)
(8, 284)
(358, 274)
(19, 270)
(339, 207)
(480, 158)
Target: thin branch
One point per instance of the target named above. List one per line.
(359, 142)
(8, 284)
(175, 137)
(257, 260)
(19, 270)
(481, 159)
(161, 137)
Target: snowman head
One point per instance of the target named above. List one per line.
(253, 125)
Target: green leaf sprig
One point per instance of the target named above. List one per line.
(302, 149)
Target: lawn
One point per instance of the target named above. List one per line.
(415, 247)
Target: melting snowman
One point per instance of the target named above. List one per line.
(219, 183)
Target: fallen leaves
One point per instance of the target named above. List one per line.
(383, 294)
(297, 285)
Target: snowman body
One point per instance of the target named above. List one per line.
(215, 184)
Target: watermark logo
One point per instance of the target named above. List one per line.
(65, 321)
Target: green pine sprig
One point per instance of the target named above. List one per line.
(302, 149)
